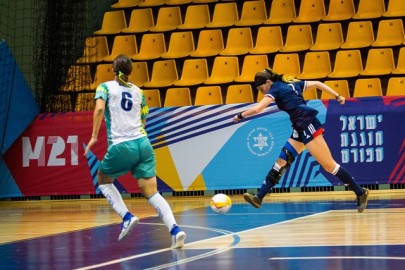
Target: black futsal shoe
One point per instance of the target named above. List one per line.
(253, 200)
(362, 200)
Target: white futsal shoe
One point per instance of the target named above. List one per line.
(178, 237)
(127, 226)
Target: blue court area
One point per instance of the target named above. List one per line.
(245, 238)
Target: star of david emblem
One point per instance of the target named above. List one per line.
(260, 141)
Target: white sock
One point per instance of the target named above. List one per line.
(163, 209)
(113, 196)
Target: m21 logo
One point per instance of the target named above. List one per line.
(50, 151)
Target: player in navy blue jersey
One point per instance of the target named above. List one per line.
(307, 132)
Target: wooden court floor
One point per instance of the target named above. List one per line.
(290, 231)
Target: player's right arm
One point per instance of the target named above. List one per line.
(101, 96)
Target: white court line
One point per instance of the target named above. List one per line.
(338, 258)
(156, 251)
(216, 251)
(190, 259)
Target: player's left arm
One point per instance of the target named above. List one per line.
(144, 109)
(326, 88)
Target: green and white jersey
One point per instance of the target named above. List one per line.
(125, 109)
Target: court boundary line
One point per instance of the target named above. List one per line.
(200, 241)
(337, 258)
(229, 233)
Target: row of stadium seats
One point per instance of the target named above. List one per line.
(239, 41)
(226, 69)
(152, 3)
(179, 45)
(243, 93)
(225, 14)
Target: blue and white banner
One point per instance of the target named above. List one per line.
(201, 148)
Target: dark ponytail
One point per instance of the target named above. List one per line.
(122, 66)
(268, 74)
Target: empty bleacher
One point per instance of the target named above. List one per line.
(220, 44)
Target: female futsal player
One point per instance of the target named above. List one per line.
(124, 108)
(307, 132)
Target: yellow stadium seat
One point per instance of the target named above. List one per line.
(390, 33)
(380, 61)
(224, 15)
(287, 64)
(340, 86)
(208, 95)
(140, 74)
(95, 49)
(239, 93)
(310, 93)
(348, 63)
(396, 8)
(367, 87)
(369, 9)
(113, 22)
(178, 97)
(151, 3)
(196, 17)
(177, 2)
(140, 21)
(104, 73)
(181, 44)
(194, 72)
(396, 86)
(126, 3)
(210, 43)
(152, 97)
(299, 38)
(152, 47)
(310, 11)
(164, 74)
(340, 10)
(224, 70)
(78, 78)
(281, 12)
(269, 39)
(253, 13)
(251, 65)
(168, 19)
(122, 45)
(203, 1)
(400, 67)
(329, 37)
(360, 34)
(317, 65)
(239, 41)
(84, 102)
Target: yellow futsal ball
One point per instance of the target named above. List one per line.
(221, 203)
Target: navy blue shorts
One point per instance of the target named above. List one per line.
(313, 130)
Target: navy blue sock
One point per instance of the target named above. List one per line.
(127, 216)
(347, 179)
(269, 182)
(174, 230)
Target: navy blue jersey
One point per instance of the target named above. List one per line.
(288, 97)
